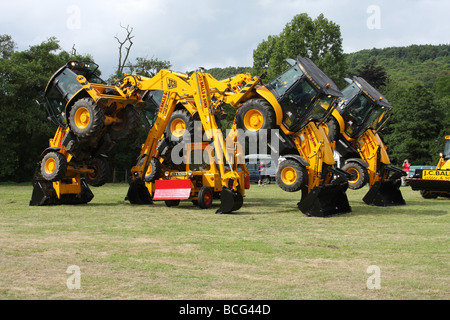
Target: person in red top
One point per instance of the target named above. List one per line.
(406, 166)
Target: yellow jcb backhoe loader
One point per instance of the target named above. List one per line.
(90, 116)
(353, 132)
(434, 183)
(291, 109)
(193, 93)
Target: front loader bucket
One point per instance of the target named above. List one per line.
(45, 195)
(325, 200)
(138, 193)
(385, 193)
(230, 201)
(178, 189)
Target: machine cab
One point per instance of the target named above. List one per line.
(446, 153)
(304, 92)
(63, 85)
(362, 107)
(152, 99)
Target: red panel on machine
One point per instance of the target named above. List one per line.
(172, 189)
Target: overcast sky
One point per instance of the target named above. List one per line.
(214, 33)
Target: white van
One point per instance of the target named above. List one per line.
(253, 161)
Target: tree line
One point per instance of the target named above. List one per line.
(415, 79)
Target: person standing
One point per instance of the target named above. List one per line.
(262, 173)
(406, 166)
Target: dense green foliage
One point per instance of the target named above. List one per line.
(418, 86)
(24, 129)
(318, 39)
(426, 63)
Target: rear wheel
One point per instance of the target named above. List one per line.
(254, 115)
(127, 127)
(53, 166)
(180, 126)
(86, 118)
(358, 175)
(332, 130)
(205, 197)
(291, 176)
(100, 176)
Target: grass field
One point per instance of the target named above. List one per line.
(266, 250)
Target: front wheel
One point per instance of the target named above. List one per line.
(128, 125)
(172, 203)
(428, 195)
(205, 197)
(153, 171)
(100, 174)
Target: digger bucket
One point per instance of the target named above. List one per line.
(385, 193)
(325, 200)
(230, 201)
(45, 195)
(138, 193)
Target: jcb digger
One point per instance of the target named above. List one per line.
(183, 93)
(290, 109)
(353, 132)
(434, 183)
(90, 116)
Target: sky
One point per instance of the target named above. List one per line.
(214, 33)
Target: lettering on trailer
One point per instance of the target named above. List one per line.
(436, 174)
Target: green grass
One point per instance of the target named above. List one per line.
(266, 250)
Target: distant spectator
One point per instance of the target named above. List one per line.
(262, 173)
(406, 166)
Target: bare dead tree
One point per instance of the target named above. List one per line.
(74, 50)
(124, 51)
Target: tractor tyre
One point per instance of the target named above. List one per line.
(254, 115)
(205, 197)
(128, 125)
(332, 130)
(101, 172)
(153, 171)
(53, 166)
(428, 195)
(172, 203)
(358, 175)
(291, 176)
(86, 118)
(180, 126)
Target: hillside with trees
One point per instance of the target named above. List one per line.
(417, 83)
